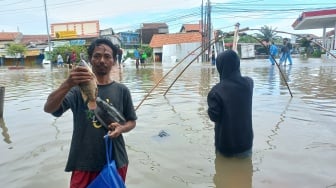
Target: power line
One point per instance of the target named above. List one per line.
(30, 8)
(252, 9)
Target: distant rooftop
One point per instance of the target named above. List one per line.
(190, 28)
(158, 40)
(9, 36)
(154, 25)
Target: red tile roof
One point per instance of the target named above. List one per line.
(9, 36)
(190, 27)
(158, 40)
(37, 39)
(154, 25)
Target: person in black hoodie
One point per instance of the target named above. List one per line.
(230, 107)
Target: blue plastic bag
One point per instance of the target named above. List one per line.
(109, 176)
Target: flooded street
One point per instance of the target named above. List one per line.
(294, 137)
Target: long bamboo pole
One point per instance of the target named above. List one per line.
(150, 91)
(193, 60)
(277, 64)
(301, 37)
(2, 98)
(281, 73)
(211, 43)
(214, 41)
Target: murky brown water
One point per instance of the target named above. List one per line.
(294, 146)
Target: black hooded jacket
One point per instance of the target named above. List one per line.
(230, 106)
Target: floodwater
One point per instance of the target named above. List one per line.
(294, 145)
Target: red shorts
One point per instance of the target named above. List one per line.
(81, 179)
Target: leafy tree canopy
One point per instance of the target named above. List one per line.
(242, 39)
(67, 49)
(15, 49)
(267, 33)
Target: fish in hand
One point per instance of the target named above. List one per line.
(89, 89)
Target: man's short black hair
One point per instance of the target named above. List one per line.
(99, 42)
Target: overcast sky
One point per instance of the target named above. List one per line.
(28, 16)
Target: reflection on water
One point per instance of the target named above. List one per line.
(233, 172)
(5, 131)
(271, 79)
(290, 133)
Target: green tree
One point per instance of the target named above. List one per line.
(304, 42)
(16, 49)
(145, 48)
(148, 50)
(247, 39)
(267, 33)
(67, 49)
(307, 48)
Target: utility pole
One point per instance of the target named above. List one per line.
(141, 27)
(206, 31)
(47, 24)
(209, 30)
(202, 30)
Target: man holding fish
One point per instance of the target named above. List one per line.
(78, 93)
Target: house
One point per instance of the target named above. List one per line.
(109, 34)
(147, 30)
(73, 30)
(129, 39)
(175, 47)
(9, 37)
(34, 44)
(186, 28)
(75, 33)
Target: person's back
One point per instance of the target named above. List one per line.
(68, 60)
(213, 58)
(120, 52)
(273, 50)
(230, 107)
(119, 56)
(289, 46)
(59, 60)
(287, 49)
(284, 50)
(136, 54)
(290, 49)
(144, 55)
(137, 57)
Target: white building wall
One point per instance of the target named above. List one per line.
(169, 53)
(173, 53)
(157, 50)
(188, 48)
(247, 51)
